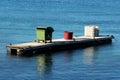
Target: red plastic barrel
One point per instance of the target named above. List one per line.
(68, 35)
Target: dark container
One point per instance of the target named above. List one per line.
(44, 33)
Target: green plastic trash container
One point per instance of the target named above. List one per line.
(44, 34)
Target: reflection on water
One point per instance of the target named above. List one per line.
(44, 63)
(68, 56)
(89, 54)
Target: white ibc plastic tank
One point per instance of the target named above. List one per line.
(91, 31)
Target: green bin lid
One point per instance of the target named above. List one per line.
(50, 29)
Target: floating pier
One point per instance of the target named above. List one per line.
(37, 47)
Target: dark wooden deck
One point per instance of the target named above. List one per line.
(32, 48)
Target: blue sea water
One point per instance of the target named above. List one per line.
(19, 19)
